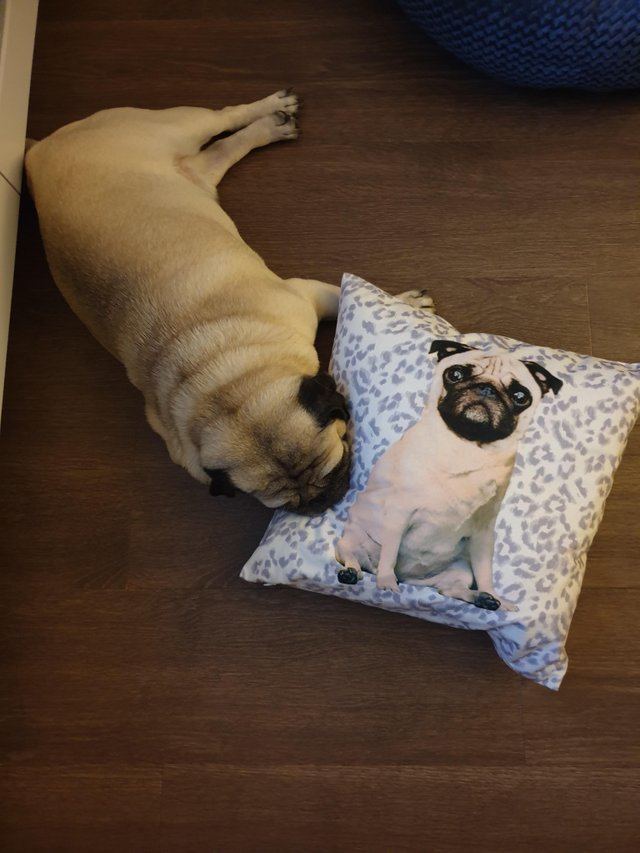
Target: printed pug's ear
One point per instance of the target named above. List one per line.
(220, 482)
(320, 397)
(547, 381)
(446, 348)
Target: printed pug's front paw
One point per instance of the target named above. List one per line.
(387, 582)
(350, 573)
(418, 299)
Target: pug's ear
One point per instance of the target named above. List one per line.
(547, 381)
(220, 482)
(446, 348)
(320, 397)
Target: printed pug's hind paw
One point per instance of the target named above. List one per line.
(418, 299)
(486, 601)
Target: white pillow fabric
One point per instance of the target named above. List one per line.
(552, 507)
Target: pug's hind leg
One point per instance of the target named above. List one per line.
(454, 582)
(193, 127)
(418, 299)
(243, 115)
(211, 165)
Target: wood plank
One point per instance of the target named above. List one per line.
(614, 302)
(586, 723)
(153, 676)
(79, 808)
(372, 810)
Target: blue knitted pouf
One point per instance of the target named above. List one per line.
(584, 44)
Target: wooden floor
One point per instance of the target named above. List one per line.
(152, 701)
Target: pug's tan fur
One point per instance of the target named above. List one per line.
(216, 342)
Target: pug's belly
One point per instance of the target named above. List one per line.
(428, 547)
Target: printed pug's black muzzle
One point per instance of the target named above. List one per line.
(478, 413)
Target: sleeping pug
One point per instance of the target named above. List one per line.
(221, 347)
(428, 512)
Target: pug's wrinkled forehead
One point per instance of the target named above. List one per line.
(500, 367)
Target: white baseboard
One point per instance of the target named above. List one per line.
(17, 33)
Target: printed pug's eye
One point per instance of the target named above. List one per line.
(456, 374)
(521, 397)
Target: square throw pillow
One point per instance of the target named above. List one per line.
(481, 466)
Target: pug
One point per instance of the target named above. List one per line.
(220, 346)
(428, 512)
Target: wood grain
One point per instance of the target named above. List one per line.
(152, 701)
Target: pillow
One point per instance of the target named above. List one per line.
(563, 471)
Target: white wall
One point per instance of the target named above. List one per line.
(17, 31)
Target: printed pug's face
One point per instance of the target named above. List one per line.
(488, 396)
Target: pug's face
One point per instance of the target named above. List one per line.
(287, 447)
(488, 396)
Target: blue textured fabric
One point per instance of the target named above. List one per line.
(584, 44)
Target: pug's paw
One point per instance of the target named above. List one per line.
(285, 125)
(287, 100)
(418, 299)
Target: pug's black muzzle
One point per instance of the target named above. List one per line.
(335, 489)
